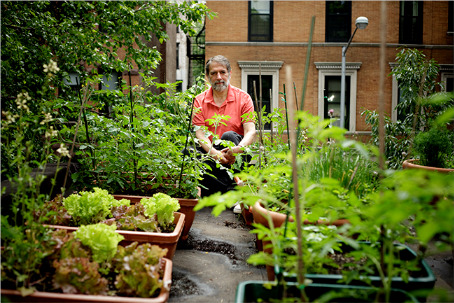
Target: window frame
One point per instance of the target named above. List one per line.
(335, 69)
(265, 68)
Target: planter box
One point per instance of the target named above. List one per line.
(186, 208)
(258, 291)
(424, 279)
(163, 240)
(15, 296)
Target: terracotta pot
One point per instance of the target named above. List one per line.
(246, 212)
(261, 215)
(163, 240)
(410, 164)
(186, 208)
(15, 296)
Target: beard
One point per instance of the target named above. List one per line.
(219, 86)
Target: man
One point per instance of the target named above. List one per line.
(222, 99)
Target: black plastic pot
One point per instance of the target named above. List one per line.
(265, 291)
(420, 280)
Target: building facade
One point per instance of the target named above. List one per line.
(269, 40)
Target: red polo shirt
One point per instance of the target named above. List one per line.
(238, 103)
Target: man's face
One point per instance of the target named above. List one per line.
(219, 77)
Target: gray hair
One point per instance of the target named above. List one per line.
(219, 59)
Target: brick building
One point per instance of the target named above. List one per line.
(268, 37)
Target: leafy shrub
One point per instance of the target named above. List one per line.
(434, 147)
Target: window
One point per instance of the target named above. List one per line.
(329, 90)
(260, 21)
(410, 23)
(269, 71)
(267, 85)
(73, 82)
(110, 81)
(338, 21)
(332, 96)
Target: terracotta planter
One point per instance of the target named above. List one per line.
(410, 164)
(163, 240)
(247, 214)
(261, 216)
(15, 296)
(186, 208)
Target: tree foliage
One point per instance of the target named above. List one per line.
(81, 37)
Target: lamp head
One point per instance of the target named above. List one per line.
(361, 22)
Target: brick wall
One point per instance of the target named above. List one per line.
(291, 32)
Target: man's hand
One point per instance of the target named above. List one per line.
(229, 154)
(219, 155)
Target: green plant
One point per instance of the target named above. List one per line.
(435, 147)
(420, 104)
(139, 274)
(91, 207)
(142, 154)
(102, 240)
(163, 206)
(32, 39)
(24, 239)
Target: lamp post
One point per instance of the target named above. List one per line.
(361, 23)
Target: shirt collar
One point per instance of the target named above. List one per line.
(230, 95)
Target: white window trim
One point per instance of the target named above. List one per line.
(335, 69)
(266, 68)
(447, 71)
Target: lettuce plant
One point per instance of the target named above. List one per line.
(79, 275)
(139, 270)
(101, 238)
(163, 206)
(91, 207)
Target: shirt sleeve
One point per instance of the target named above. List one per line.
(197, 117)
(247, 109)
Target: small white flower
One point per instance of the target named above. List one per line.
(63, 151)
(51, 132)
(51, 67)
(47, 118)
(21, 101)
(10, 118)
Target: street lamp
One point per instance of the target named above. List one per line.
(361, 23)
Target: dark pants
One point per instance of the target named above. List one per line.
(217, 179)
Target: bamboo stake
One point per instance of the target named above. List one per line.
(131, 120)
(271, 122)
(86, 125)
(186, 143)
(293, 117)
(259, 117)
